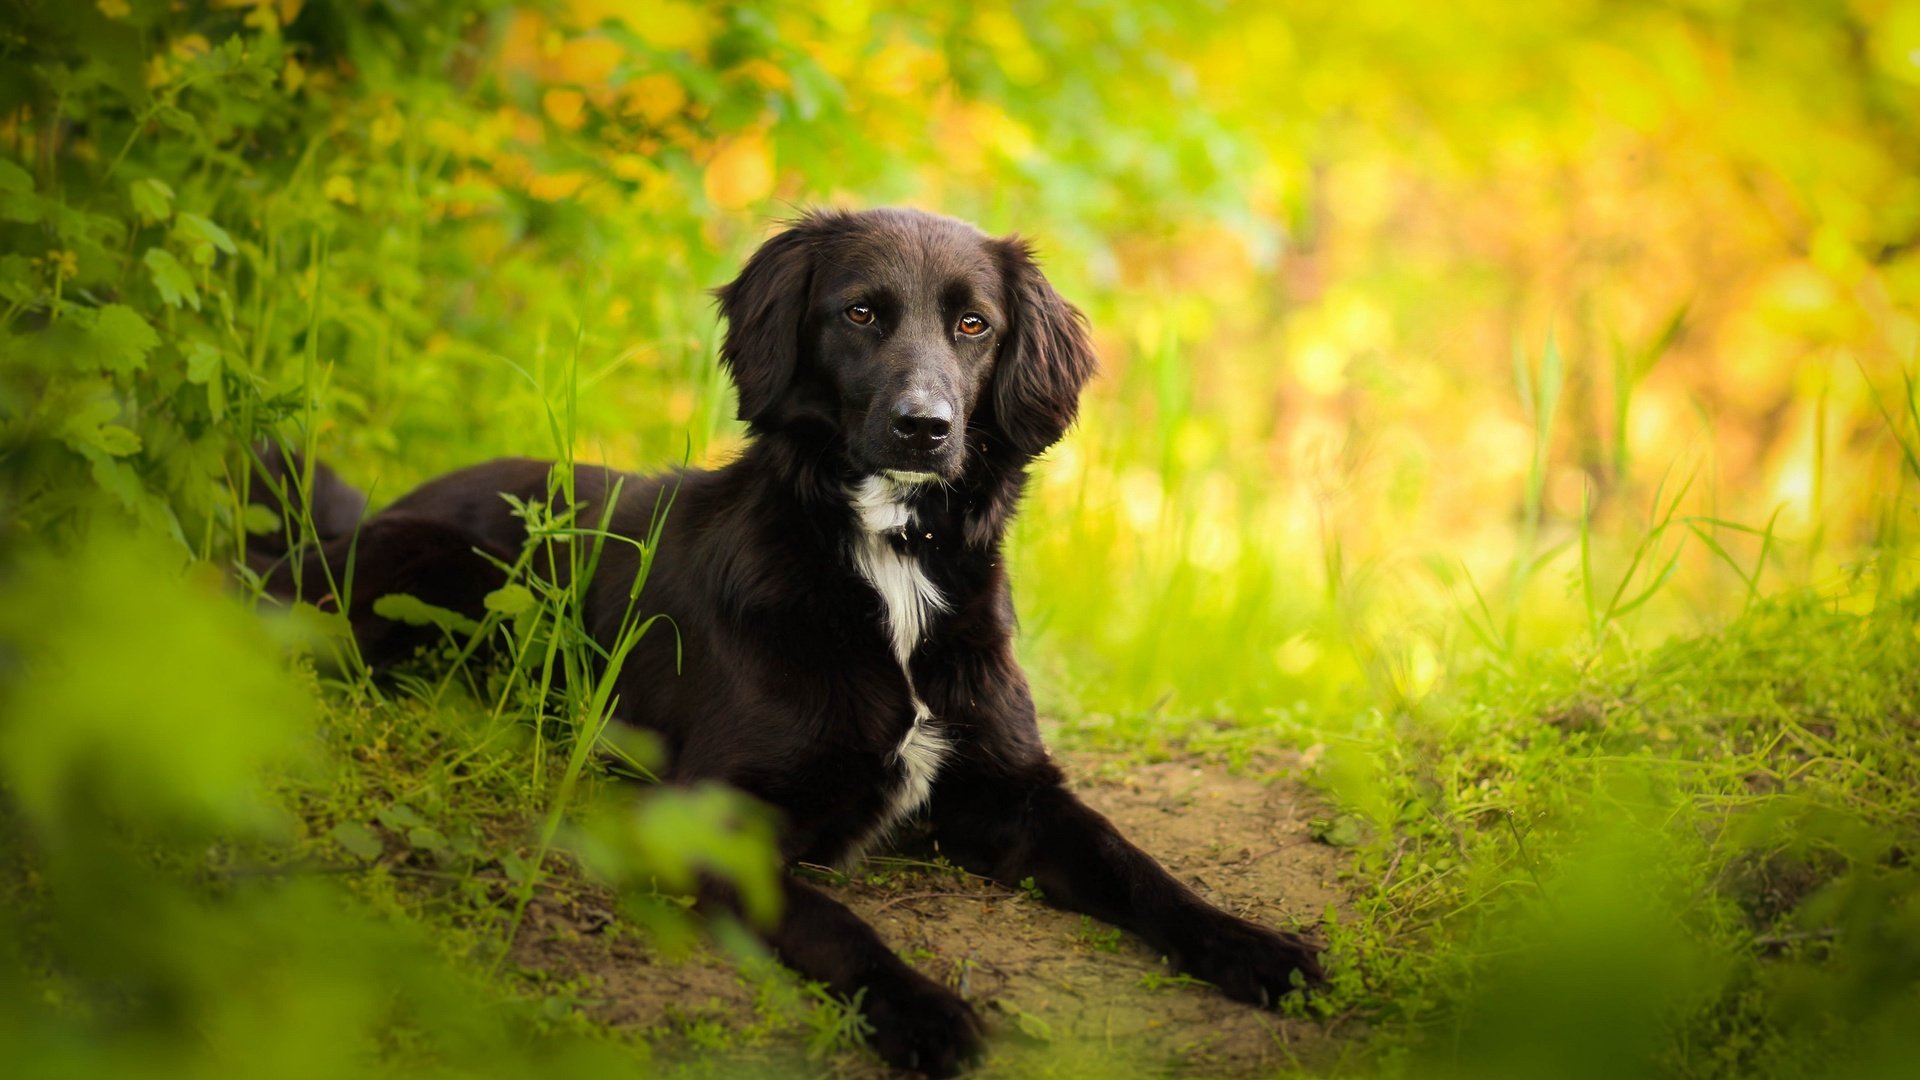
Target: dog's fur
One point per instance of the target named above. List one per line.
(844, 622)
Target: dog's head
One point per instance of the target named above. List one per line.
(909, 335)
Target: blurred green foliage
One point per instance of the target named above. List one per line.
(1454, 357)
(151, 923)
(1689, 862)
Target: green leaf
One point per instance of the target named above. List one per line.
(17, 200)
(509, 599)
(1344, 831)
(358, 840)
(1029, 1025)
(516, 867)
(15, 180)
(16, 278)
(259, 520)
(22, 208)
(399, 817)
(172, 279)
(202, 237)
(88, 430)
(117, 479)
(416, 612)
(178, 119)
(121, 338)
(203, 362)
(427, 838)
(116, 440)
(316, 625)
(152, 200)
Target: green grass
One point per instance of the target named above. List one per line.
(1693, 860)
(1605, 859)
(1602, 856)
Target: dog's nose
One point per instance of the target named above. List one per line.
(921, 423)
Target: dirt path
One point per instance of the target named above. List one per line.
(1061, 995)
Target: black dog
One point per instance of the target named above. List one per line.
(845, 625)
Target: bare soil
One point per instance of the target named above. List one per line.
(1060, 995)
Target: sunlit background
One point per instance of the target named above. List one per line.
(1507, 430)
(1387, 300)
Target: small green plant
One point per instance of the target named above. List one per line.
(835, 1025)
(1162, 980)
(1098, 937)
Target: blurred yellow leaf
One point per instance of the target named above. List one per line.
(1896, 41)
(519, 48)
(469, 192)
(340, 189)
(514, 170)
(459, 138)
(905, 67)
(666, 25)
(1001, 32)
(765, 73)
(635, 168)
(387, 128)
(189, 46)
(524, 127)
(114, 9)
(741, 172)
(848, 17)
(552, 187)
(565, 107)
(655, 97)
(588, 61)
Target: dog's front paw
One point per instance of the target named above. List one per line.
(922, 1027)
(1248, 962)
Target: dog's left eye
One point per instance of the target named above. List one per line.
(972, 325)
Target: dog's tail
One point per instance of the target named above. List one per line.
(280, 483)
(347, 562)
(303, 523)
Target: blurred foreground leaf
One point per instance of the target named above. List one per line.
(135, 693)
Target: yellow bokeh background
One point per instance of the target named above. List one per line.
(1404, 313)
(1327, 251)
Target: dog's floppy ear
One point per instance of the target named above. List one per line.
(1044, 360)
(764, 308)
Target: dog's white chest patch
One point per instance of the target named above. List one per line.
(909, 598)
(920, 755)
(910, 601)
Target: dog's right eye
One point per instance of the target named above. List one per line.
(860, 315)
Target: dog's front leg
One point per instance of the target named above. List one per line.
(1012, 822)
(917, 1023)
